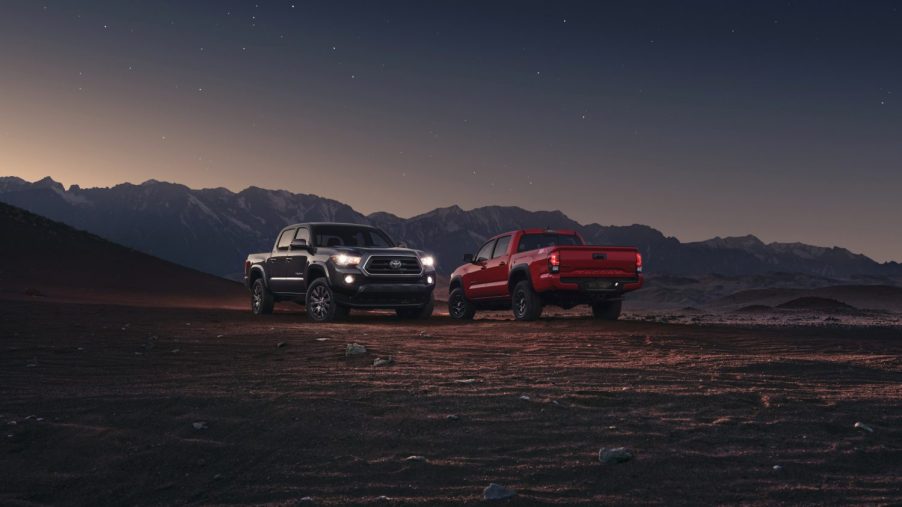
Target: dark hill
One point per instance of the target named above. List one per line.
(43, 258)
(816, 304)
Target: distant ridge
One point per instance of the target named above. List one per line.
(213, 229)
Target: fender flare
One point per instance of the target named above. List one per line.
(457, 279)
(516, 270)
(317, 266)
(262, 270)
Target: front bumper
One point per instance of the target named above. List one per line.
(382, 292)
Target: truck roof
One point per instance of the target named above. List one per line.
(537, 230)
(308, 224)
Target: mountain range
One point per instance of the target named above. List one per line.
(213, 229)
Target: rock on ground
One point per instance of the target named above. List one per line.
(497, 492)
(383, 362)
(614, 455)
(355, 349)
(864, 427)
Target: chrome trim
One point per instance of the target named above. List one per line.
(287, 278)
(370, 258)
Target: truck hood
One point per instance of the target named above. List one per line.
(378, 251)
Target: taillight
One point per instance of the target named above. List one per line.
(554, 262)
(247, 267)
(638, 262)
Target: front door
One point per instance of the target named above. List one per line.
(480, 279)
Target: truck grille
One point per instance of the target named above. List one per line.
(387, 265)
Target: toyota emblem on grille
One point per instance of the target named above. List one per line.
(395, 264)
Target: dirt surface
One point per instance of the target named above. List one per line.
(99, 405)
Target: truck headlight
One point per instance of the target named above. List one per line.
(346, 260)
(427, 261)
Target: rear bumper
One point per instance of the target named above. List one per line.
(601, 286)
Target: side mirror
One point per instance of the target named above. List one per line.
(299, 244)
(468, 258)
(402, 245)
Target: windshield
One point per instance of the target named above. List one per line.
(350, 235)
(536, 241)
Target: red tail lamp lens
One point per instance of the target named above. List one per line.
(554, 262)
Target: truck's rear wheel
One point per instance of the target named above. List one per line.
(606, 310)
(423, 312)
(262, 301)
(459, 307)
(526, 303)
(321, 304)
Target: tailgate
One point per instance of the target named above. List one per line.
(597, 261)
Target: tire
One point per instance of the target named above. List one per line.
(262, 300)
(320, 302)
(423, 312)
(525, 302)
(606, 310)
(459, 307)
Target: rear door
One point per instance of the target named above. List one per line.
(295, 265)
(276, 266)
(497, 269)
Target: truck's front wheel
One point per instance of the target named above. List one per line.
(262, 301)
(606, 310)
(527, 304)
(459, 307)
(321, 304)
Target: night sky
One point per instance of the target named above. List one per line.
(700, 118)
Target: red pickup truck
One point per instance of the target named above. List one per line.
(528, 269)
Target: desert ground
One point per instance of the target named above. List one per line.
(106, 404)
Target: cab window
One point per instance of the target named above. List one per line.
(285, 239)
(350, 235)
(485, 253)
(501, 246)
(535, 241)
(304, 234)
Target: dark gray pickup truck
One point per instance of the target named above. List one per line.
(333, 267)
